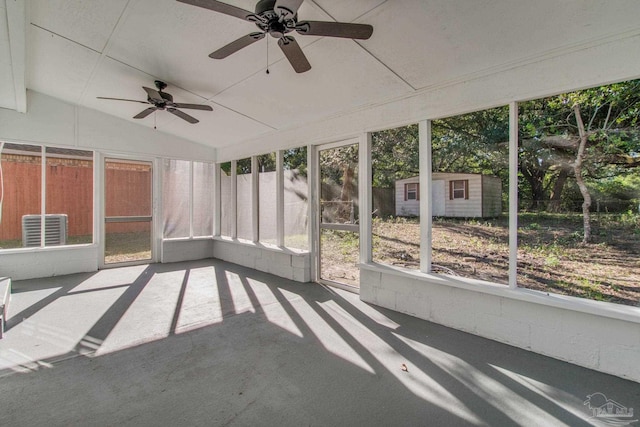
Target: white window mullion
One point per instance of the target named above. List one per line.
(191, 193)
(365, 196)
(255, 199)
(280, 198)
(513, 194)
(43, 195)
(426, 208)
(217, 205)
(234, 199)
(314, 208)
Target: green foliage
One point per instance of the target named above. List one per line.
(476, 142)
(395, 155)
(296, 159)
(243, 166)
(267, 162)
(549, 138)
(335, 162)
(226, 168)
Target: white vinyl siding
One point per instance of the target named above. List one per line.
(472, 204)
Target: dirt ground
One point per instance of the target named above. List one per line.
(551, 257)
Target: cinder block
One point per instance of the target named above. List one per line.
(367, 292)
(370, 278)
(495, 327)
(302, 274)
(301, 261)
(386, 298)
(415, 304)
(621, 359)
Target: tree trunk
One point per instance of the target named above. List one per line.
(577, 168)
(556, 192)
(534, 177)
(346, 195)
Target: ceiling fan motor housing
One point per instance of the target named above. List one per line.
(275, 24)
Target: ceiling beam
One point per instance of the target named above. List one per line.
(16, 23)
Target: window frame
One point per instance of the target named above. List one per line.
(46, 151)
(464, 189)
(409, 190)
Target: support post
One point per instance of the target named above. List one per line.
(426, 210)
(513, 195)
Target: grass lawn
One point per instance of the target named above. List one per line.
(551, 257)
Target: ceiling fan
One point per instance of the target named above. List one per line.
(163, 101)
(278, 18)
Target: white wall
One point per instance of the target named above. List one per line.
(280, 262)
(54, 122)
(593, 334)
(176, 250)
(34, 262)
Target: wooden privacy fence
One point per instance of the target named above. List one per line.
(70, 192)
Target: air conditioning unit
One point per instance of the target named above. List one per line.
(55, 230)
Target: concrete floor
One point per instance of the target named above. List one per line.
(213, 344)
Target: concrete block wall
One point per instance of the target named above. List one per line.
(33, 263)
(280, 262)
(597, 335)
(186, 249)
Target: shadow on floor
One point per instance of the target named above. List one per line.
(212, 343)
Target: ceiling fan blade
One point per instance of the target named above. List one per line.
(145, 113)
(236, 45)
(122, 99)
(287, 9)
(294, 54)
(154, 95)
(194, 106)
(334, 29)
(225, 8)
(183, 116)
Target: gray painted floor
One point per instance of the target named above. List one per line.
(213, 344)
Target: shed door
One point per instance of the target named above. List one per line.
(438, 198)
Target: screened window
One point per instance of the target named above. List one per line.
(187, 198)
(226, 217)
(67, 216)
(579, 202)
(267, 186)
(203, 199)
(296, 199)
(69, 196)
(175, 198)
(244, 197)
(395, 224)
(470, 154)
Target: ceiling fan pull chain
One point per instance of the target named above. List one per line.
(155, 119)
(267, 44)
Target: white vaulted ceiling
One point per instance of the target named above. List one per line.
(77, 50)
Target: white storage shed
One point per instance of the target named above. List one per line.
(465, 195)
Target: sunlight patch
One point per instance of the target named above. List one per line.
(273, 309)
(502, 398)
(328, 337)
(415, 380)
(239, 296)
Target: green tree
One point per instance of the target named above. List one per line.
(587, 135)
